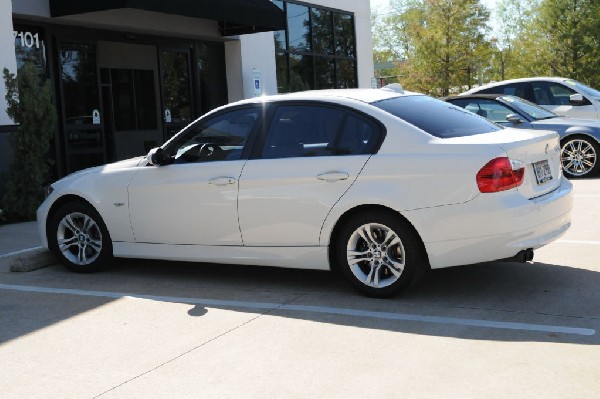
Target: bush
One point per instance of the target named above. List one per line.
(30, 106)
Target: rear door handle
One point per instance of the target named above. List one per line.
(333, 176)
(222, 181)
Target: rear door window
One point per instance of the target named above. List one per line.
(299, 130)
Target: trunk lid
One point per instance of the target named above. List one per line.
(538, 150)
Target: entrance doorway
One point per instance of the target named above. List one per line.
(129, 88)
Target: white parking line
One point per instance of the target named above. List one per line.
(313, 309)
(578, 242)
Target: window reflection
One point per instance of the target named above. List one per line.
(298, 27)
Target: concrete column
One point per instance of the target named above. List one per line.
(233, 63)
(7, 54)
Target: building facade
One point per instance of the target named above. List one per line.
(128, 74)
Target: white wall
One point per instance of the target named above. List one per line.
(7, 54)
(258, 53)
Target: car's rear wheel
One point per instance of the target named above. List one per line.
(78, 237)
(379, 253)
(579, 156)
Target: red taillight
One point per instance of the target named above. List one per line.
(500, 174)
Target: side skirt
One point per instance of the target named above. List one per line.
(314, 258)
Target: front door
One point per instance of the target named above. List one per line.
(83, 127)
(193, 200)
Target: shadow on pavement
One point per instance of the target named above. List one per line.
(538, 293)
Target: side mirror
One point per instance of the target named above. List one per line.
(514, 118)
(576, 99)
(157, 157)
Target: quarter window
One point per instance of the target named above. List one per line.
(220, 138)
(308, 131)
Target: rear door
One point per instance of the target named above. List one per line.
(308, 158)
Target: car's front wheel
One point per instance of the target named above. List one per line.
(579, 156)
(78, 237)
(379, 253)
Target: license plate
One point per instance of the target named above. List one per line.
(543, 174)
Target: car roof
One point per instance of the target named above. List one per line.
(503, 82)
(364, 95)
(475, 95)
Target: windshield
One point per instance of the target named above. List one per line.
(586, 89)
(438, 118)
(534, 111)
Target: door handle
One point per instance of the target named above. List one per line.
(333, 176)
(222, 181)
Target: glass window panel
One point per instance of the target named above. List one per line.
(346, 74)
(298, 27)
(450, 120)
(344, 35)
(79, 82)
(280, 43)
(30, 46)
(322, 30)
(145, 99)
(217, 139)
(325, 73)
(176, 86)
(359, 136)
(301, 73)
(282, 72)
(123, 99)
(302, 131)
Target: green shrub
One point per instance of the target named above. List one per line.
(30, 106)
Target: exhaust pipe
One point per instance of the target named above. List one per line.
(525, 255)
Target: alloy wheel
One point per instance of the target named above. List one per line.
(79, 238)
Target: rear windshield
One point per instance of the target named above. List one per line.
(436, 117)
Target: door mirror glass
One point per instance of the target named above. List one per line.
(514, 118)
(576, 99)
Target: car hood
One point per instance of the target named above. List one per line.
(126, 164)
(565, 122)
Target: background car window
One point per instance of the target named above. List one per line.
(436, 117)
(488, 108)
(310, 130)
(512, 89)
(550, 93)
(220, 138)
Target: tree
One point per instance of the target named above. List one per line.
(448, 44)
(30, 105)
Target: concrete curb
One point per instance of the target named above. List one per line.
(27, 260)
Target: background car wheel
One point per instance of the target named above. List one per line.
(380, 254)
(78, 237)
(579, 156)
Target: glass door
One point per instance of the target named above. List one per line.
(176, 90)
(82, 118)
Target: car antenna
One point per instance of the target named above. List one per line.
(395, 87)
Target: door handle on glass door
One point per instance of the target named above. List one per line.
(333, 176)
(222, 181)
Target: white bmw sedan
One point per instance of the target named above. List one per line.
(380, 185)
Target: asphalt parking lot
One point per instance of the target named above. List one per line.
(160, 329)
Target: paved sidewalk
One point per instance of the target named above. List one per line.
(18, 237)
(21, 250)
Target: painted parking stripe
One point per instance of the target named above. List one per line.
(313, 309)
(583, 242)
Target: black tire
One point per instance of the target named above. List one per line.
(374, 274)
(580, 156)
(86, 245)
